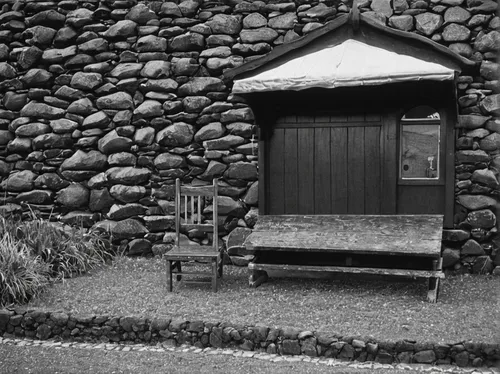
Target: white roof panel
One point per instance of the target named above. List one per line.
(351, 63)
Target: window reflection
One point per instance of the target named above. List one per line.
(420, 138)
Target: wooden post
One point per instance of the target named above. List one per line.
(179, 270)
(434, 264)
(257, 277)
(220, 269)
(214, 275)
(432, 294)
(169, 276)
(177, 211)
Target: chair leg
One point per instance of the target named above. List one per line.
(220, 266)
(169, 276)
(214, 275)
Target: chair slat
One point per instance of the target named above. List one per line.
(205, 227)
(199, 209)
(185, 208)
(193, 215)
(197, 191)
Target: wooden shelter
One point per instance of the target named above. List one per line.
(356, 155)
(355, 118)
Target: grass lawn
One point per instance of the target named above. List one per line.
(467, 308)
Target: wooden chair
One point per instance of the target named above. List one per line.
(191, 200)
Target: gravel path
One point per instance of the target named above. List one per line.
(40, 357)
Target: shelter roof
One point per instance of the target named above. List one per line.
(351, 50)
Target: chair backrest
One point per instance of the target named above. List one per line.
(189, 204)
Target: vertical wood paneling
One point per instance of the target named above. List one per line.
(338, 118)
(338, 163)
(322, 162)
(373, 117)
(322, 118)
(326, 169)
(372, 170)
(290, 119)
(355, 176)
(421, 200)
(390, 165)
(276, 201)
(305, 170)
(305, 119)
(448, 138)
(291, 171)
(356, 118)
(263, 180)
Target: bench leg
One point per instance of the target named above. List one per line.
(179, 270)
(433, 293)
(169, 276)
(257, 277)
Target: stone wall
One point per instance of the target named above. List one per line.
(42, 325)
(104, 103)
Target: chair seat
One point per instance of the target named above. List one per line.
(191, 252)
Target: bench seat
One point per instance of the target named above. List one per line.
(401, 246)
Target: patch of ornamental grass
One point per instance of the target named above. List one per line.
(37, 252)
(350, 306)
(69, 251)
(22, 275)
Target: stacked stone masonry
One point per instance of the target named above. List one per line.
(36, 324)
(103, 104)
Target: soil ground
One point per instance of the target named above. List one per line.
(385, 309)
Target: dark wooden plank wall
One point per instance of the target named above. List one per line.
(421, 199)
(291, 169)
(325, 164)
(392, 101)
(322, 170)
(339, 170)
(276, 171)
(305, 175)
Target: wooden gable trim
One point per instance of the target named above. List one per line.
(415, 39)
(404, 42)
(283, 49)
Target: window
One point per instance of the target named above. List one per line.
(420, 141)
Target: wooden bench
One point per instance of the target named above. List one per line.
(397, 245)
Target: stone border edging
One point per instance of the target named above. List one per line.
(43, 325)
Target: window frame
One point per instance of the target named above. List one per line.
(441, 152)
